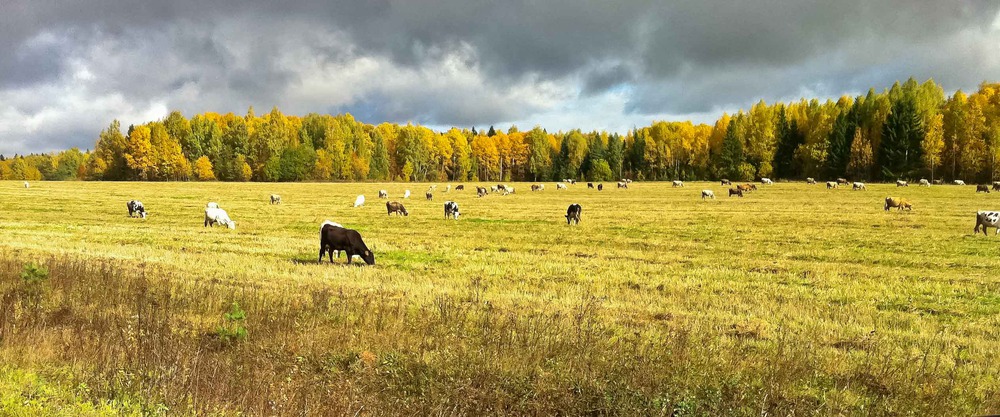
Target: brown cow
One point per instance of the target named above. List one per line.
(735, 191)
(396, 207)
(898, 203)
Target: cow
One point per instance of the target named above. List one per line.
(406, 194)
(987, 219)
(395, 207)
(217, 215)
(842, 181)
(360, 201)
(541, 187)
(726, 182)
(573, 213)
(996, 187)
(742, 188)
(678, 183)
(461, 187)
(707, 194)
(494, 189)
(736, 192)
(766, 181)
(959, 182)
(569, 180)
(899, 203)
(334, 238)
(451, 210)
(335, 253)
(810, 181)
(501, 187)
(26, 185)
(982, 188)
(212, 205)
(859, 186)
(560, 186)
(937, 182)
(901, 183)
(831, 185)
(481, 191)
(590, 185)
(626, 180)
(275, 199)
(534, 187)
(622, 184)
(600, 187)
(508, 190)
(448, 188)
(383, 194)
(135, 208)
(430, 195)
(924, 182)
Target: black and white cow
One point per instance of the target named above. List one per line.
(135, 208)
(573, 213)
(451, 210)
(987, 219)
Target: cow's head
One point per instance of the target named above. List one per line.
(368, 257)
(231, 225)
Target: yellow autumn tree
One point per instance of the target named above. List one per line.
(203, 169)
(139, 152)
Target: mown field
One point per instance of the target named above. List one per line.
(795, 300)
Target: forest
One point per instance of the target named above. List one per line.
(908, 131)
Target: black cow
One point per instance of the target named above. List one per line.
(736, 192)
(983, 188)
(590, 185)
(135, 208)
(451, 210)
(573, 213)
(430, 195)
(396, 207)
(335, 238)
(481, 191)
(460, 187)
(600, 187)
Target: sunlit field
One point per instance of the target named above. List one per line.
(792, 300)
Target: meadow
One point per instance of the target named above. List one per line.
(794, 300)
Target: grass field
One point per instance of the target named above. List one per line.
(793, 300)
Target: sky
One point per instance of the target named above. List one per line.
(67, 69)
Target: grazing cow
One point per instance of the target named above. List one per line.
(736, 191)
(622, 184)
(678, 183)
(508, 190)
(859, 186)
(924, 182)
(383, 194)
(810, 181)
(360, 201)
(747, 187)
(26, 185)
(996, 187)
(395, 207)
(590, 185)
(569, 180)
(461, 187)
(899, 203)
(726, 182)
(448, 188)
(217, 215)
(937, 182)
(535, 187)
(987, 219)
(901, 183)
(335, 238)
(831, 185)
(451, 210)
(600, 187)
(766, 181)
(743, 187)
(430, 195)
(982, 188)
(494, 189)
(275, 199)
(481, 191)
(707, 194)
(573, 213)
(135, 208)
(560, 186)
(959, 182)
(842, 181)
(541, 187)
(336, 254)
(406, 194)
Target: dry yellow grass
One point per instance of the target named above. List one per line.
(794, 299)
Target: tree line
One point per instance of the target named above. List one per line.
(909, 131)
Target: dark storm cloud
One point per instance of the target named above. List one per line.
(468, 62)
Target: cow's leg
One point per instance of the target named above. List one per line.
(322, 249)
(350, 256)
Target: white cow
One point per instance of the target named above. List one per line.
(560, 186)
(707, 194)
(901, 183)
(541, 187)
(212, 205)
(448, 188)
(959, 182)
(859, 186)
(217, 215)
(26, 185)
(987, 219)
(924, 182)
(360, 201)
(406, 194)
(766, 181)
(678, 183)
